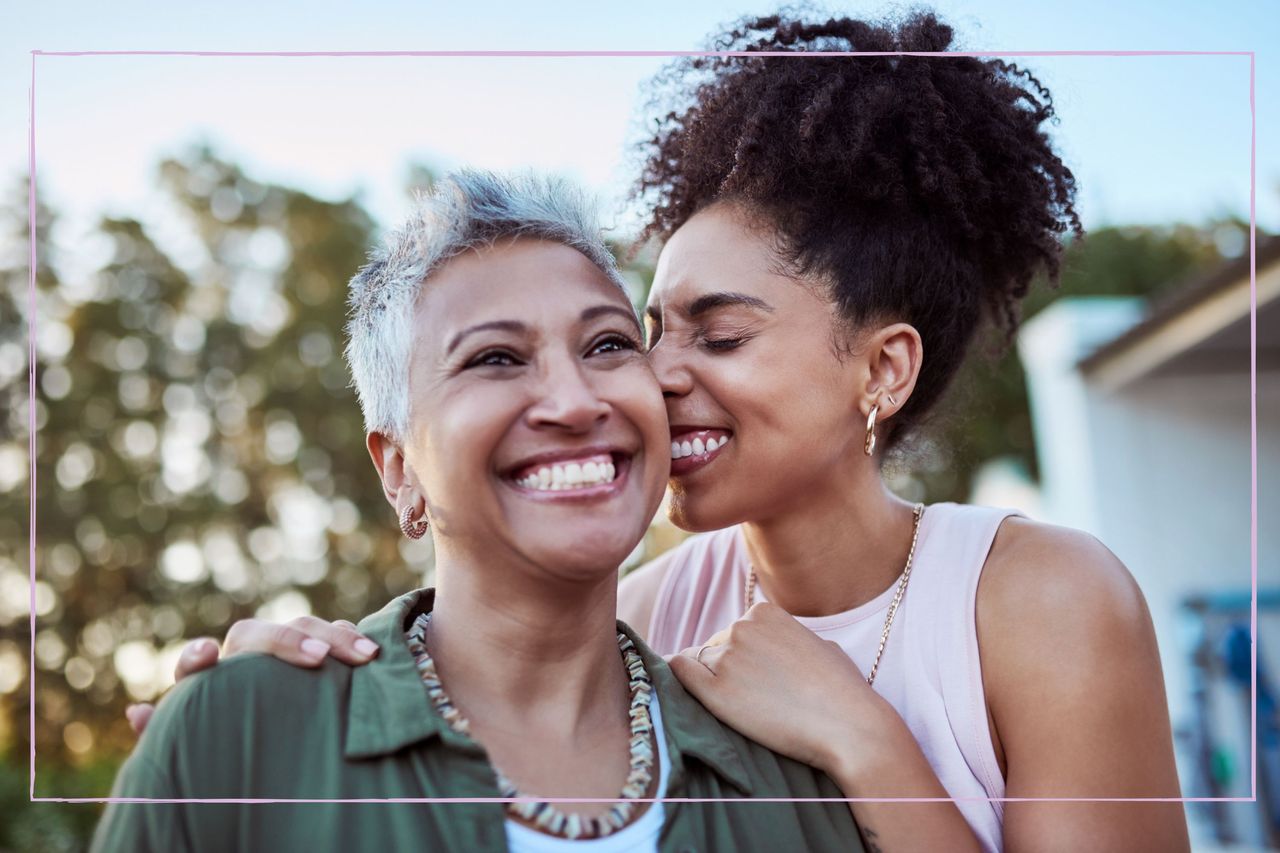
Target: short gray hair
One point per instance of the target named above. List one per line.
(468, 209)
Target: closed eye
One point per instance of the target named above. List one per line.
(723, 344)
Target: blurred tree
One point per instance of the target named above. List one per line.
(24, 826)
(200, 457)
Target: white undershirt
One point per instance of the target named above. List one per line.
(639, 835)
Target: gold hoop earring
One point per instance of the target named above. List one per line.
(870, 444)
(413, 529)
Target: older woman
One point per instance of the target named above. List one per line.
(511, 412)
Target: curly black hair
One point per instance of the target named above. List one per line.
(918, 188)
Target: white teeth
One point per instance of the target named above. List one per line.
(697, 447)
(573, 475)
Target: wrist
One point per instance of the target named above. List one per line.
(880, 760)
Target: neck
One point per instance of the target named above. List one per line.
(838, 548)
(517, 652)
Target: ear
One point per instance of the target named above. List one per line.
(894, 354)
(394, 470)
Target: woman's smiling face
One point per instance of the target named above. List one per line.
(537, 430)
(761, 407)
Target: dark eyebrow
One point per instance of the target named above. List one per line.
(703, 304)
(592, 313)
(502, 325)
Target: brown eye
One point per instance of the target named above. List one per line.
(613, 343)
(493, 358)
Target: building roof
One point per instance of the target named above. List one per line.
(1209, 313)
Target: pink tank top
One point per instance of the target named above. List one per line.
(930, 670)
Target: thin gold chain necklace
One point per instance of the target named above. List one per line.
(749, 595)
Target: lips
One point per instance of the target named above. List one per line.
(571, 473)
(693, 447)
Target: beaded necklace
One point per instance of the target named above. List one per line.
(543, 815)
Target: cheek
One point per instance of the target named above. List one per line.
(643, 406)
(774, 395)
(792, 422)
(456, 446)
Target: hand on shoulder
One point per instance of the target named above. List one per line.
(306, 641)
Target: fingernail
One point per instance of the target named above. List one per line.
(314, 648)
(368, 648)
(198, 647)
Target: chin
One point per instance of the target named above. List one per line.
(703, 509)
(591, 553)
(697, 516)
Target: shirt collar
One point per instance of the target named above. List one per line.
(389, 708)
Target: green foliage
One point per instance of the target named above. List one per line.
(51, 827)
(194, 452)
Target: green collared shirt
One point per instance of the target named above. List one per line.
(254, 727)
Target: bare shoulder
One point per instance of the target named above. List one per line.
(1075, 692)
(638, 591)
(1039, 577)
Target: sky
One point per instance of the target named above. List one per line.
(1151, 139)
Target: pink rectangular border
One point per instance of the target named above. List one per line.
(1253, 394)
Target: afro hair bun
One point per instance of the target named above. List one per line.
(921, 188)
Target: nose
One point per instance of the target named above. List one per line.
(673, 375)
(568, 400)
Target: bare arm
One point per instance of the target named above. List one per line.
(1076, 694)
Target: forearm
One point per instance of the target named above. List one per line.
(901, 827)
(895, 827)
